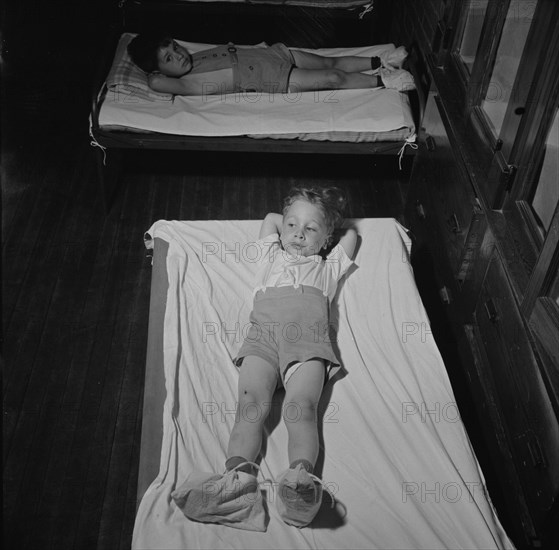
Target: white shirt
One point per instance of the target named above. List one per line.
(279, 268)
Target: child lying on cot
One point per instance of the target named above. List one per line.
(273, 69)
(288, 344)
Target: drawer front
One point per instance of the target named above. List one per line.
(424, 220)
(452, 194)
(527, 412)
(496, 438)
(431, 267)
(441, 194)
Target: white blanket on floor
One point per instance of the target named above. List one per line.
(394, 450)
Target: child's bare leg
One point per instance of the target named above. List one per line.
(300, 495)
(314, 72)
(302, 395)
(391, 58)
(234, 498)
(305, 80)
(257, 383)
(348, 63)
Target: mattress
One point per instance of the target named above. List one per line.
(394, 450)
(310, 3)
(334, 115)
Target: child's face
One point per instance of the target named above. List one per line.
(304, 231)
(174, 60)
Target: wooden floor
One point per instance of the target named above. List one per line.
(75, 313)
(75, 281)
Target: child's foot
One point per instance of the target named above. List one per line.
(299, 496)
(233, 499)
(397, 79)
(394, 59)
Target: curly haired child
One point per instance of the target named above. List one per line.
(287, 345)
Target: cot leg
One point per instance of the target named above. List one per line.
(109, 169)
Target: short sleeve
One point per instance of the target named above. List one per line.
(268, 246)
(338, 262)
(269, 239)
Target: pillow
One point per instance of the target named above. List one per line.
(127, 81)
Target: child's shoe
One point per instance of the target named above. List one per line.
(299, 496)
(233, 499)
(397, 79)
(393, 59)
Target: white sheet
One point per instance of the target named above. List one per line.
(395, 452)
(356, 111)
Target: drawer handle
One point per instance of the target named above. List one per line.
(445, 295)
(420, 210)
(454, 224)
(536, 453)
(491, 310)
(431, 144)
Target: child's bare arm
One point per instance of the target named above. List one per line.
(216, 82)
(169, 85)
(348, 240)
(272, 224)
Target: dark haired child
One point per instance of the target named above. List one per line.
(273, 69)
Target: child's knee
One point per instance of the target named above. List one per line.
(253, 407)
(302, 409)
(335, 78)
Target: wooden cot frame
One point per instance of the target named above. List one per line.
(112, 144)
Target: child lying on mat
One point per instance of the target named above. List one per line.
(271, 69)
(287, 344)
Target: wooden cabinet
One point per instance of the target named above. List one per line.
(452, 201)
(486, 243)
(443, 211)
(511, 367)
(462, 243)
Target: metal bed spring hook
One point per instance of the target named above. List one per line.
(367, 8)
(95, 143)
(410, 141)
